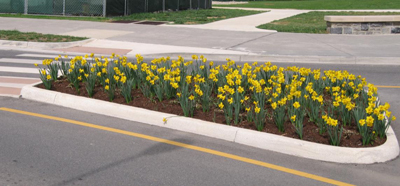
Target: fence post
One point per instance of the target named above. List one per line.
(190, 7)
(26, 7)
(104, 7)
(125, 9)
(163, 5)
(146, 6)
(63, 8)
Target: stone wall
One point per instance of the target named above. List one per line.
(363, 28)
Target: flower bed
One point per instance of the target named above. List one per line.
(332, 108)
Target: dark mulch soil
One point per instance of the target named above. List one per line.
(350, 137)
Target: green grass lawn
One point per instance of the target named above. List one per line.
(322, 4)
(190, 16)
(179, 17)
(312, 22)
(35, 37)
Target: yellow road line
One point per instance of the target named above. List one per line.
(384, 86)
(183, 145)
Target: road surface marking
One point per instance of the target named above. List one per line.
(21, 78)
(20, 70)
(385, 86)
(23, 61)
(12, 85)
(18, 80)
(44, 56)
(183, 145)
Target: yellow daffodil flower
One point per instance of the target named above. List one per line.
(293, 118)
(221, 105)
(296, 105)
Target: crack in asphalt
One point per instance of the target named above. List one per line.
(269, 34)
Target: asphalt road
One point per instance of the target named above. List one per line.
(255, 42)
(37, 151)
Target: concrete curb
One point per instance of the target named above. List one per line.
(44, 45)
(388, 151)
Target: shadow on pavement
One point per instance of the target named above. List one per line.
(159, 148)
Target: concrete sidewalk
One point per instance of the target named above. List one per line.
(271, 9)
(162, 40)
(246, 23)
(250, 23)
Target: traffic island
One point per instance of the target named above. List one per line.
(334, 116)
(277, 143)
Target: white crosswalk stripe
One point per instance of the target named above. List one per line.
(19, 70)
(38, 56)
(15, 70)
(42, 56)
(22, 78)
(24, 61)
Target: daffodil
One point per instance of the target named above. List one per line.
(273, 105)
(361, 122)
(336, 104)
(293, 118)
(381, 117)
(230, 100)
(334, 122)
(370, 121)
(221, 105)
(296, 104)
(369, 110)
(257, 110)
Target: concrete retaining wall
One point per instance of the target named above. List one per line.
(363, 25)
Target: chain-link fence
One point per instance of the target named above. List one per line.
(54, 7)
(248, 0)
(12, 6)
(98, 7)
(127, 7)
